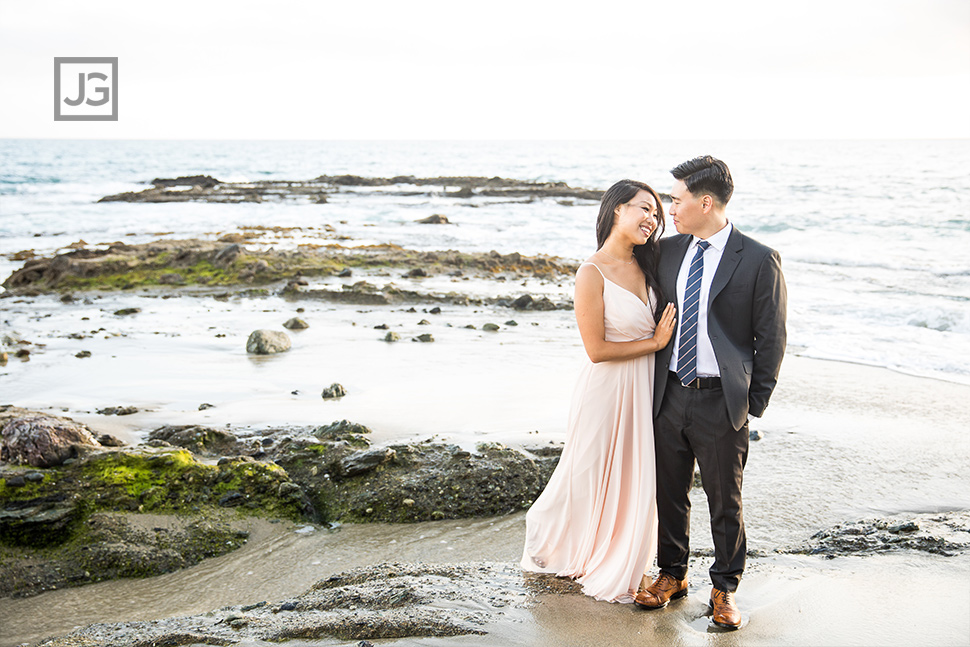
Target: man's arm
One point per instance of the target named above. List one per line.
(770, 337)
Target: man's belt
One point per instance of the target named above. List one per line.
(698, 382)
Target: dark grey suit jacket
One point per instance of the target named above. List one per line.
(745, 321)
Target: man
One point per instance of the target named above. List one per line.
(719, 370)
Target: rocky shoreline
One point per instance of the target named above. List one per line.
(196, 264)
(205, 188)
(59, 523)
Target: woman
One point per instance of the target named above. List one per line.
(596, 521)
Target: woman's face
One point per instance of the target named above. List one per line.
(636, 219)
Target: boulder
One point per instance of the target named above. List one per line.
(267, 342)
(118, 411)
(44, 441)
(434, 219)
(335, 390)
(107, 440)
(523, 302)
(296, 324)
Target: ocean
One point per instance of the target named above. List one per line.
(872, 233)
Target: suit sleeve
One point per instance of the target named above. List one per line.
(770, 336)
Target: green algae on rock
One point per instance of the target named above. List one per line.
(114, 545)
(207, 263)
(49, 528)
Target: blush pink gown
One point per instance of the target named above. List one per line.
(596, 521)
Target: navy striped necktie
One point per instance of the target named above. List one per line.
(687, 351)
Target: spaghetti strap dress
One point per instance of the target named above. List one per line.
(596, 520)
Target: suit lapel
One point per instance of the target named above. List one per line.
(729, 262)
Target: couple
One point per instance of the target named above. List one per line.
(685, 337)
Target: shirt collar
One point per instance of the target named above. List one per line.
(718, 240)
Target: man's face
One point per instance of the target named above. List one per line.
(686, 210)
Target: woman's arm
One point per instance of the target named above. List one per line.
(589, 315)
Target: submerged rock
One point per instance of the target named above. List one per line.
(390, 601)
(267, 342)
(434, 219)
(945, 533)
(118, 411)
(204, 181)
(204, 188)
(528, 302)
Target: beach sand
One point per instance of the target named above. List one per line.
(842, 442)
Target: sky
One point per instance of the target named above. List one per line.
(502, 70)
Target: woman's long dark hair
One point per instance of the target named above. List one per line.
(647, 255)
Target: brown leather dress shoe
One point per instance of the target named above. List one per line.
(664, 589)
(726, 612)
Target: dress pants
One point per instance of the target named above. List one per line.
(694, 424)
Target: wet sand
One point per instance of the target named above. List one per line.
(841, 442)
(785, 599)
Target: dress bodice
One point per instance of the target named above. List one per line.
(626, 316)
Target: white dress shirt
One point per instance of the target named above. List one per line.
(706, 360)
